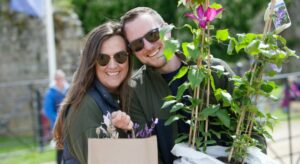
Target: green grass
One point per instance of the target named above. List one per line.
(11, 143)
(30, 157)
(23, 150)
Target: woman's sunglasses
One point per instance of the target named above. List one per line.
(119, 57)
(138, 44)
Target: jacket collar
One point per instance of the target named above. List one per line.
(106, 95)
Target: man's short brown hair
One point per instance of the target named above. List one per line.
(135, 12)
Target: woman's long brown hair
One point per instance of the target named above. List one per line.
(85, 75)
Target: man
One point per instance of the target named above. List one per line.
(141, 27)
(150, 83)
(52, 99)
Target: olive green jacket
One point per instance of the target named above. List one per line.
(82, 125)
(149, 89)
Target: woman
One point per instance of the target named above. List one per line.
(99, 86)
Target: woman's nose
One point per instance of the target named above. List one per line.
(112, 63)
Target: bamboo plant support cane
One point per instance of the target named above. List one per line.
(194, 132)
(249, 125)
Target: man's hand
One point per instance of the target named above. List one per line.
(121, 120)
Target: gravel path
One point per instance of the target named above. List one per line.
(279, 149)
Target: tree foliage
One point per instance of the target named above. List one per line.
(95, 12)
(237, 17)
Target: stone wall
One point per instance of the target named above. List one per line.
(24, 63)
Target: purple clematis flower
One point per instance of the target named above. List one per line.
(204, 17)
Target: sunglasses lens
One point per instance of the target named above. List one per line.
(137, 45)
(121, 57)
(153, 35)
(103, 59)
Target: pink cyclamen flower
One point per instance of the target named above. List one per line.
(204, 17)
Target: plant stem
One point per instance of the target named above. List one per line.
(267, 27)
(196, 119)
(238, 129)
(191, 127)
(241, 119)
(207, 94)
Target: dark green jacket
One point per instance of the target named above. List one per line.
(149, 89)
(81, 123)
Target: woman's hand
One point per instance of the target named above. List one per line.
(121, 120)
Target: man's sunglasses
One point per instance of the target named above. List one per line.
(119, 57)
(138, 44)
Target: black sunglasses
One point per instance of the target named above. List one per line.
(119, 57)
(138, 44)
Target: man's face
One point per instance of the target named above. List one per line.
(152, 52)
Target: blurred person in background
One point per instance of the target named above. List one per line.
(291, 93)
(52, 100)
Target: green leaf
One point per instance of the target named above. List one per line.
(170, 97)
(210, 142)
(165, 30)
(223, 95)
(268, 87)
(168, 103)
(181, 138)
(216, 6)
(281, 39)
(195, 101)
(219, 68)
(223, 115)
(209, 111)
(189, 27)
(195, 76)
(222, 35)
(244, 40)
(170, 48)
(268, 53)
(271, 73)
(173, 119)
(252, 108)
(181, 90)
(290, 52)
(252, 48)
(176, 107)
(180, 2)
(216, 134)
(232, 44)
(212, 82)
(190, 51)
(183, 70)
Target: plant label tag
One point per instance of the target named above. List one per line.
(280, 17)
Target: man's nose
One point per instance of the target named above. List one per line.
(147, 45)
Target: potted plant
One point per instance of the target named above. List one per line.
(231, 108)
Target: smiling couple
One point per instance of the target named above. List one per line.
(100, 85)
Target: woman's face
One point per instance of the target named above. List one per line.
(112, 63)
